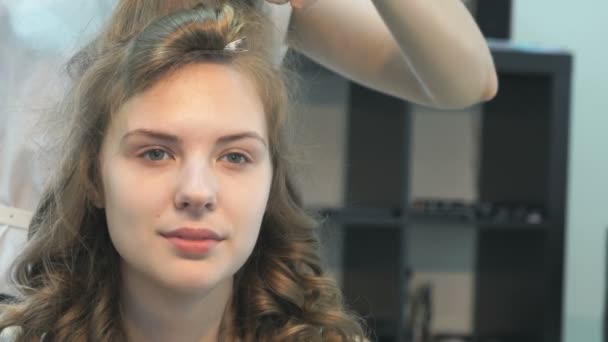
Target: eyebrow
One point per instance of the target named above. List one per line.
(174, 139)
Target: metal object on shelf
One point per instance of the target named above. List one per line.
(420, 314)
(482, 212)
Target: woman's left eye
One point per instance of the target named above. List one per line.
(236, 158)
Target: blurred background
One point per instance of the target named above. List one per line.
(498, 208)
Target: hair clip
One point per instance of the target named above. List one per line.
(236, 46)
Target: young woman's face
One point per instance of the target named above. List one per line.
(186, 174)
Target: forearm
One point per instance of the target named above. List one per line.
(445, 50)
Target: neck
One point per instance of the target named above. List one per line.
(155, 313)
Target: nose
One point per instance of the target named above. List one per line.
(197, 190)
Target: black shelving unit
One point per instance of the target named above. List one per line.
(374, 255)
(493, 17)
(519, 286)
(523, 159)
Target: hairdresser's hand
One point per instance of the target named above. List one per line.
(294, 3)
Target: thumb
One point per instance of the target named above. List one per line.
(302, 3)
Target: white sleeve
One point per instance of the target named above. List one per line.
(12, 240)
(10, 334)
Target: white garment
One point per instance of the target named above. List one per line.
(10, 334)
(13, 235)
(36, 39)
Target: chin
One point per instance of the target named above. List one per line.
(193, 283)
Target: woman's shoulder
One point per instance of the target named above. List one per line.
(10, 334)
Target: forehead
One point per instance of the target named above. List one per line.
(197, 97)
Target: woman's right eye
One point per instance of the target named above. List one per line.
(155, 154)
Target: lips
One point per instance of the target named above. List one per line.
(193, 243)
(193, 234)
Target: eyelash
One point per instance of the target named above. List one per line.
(245, 159)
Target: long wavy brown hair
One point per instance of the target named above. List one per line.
(68, 275)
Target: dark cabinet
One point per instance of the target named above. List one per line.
(520, 184)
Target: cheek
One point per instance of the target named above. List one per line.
(258, 199)
(248, 200)
(130, 198)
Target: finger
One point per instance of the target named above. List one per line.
(301, 3)
(278, 1)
